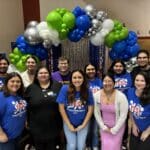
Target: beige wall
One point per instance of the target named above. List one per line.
(134, 13)
(48, 5)
(11, 22)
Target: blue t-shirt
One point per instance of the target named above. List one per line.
(95, 85)
(12, 115)
(76, 111)
(123, 82)
(141, 114)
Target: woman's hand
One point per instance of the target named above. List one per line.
(71, 128)
(144, 135)
(3, 137)
(79, 128)
(135, 130)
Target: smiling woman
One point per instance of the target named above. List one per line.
(44, 119)
(12, 112)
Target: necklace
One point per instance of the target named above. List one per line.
(109, 97)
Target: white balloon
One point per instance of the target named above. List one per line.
(104, 32)
(108, 24)
(42, 26)
(97, 39)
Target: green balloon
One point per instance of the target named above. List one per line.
(20, 66)
(12, 60)
(11, 55)
(62, 11)
(17, 51)
(54, 20)
(69, 20)
(110, 39)
(63, 34)
(17, 57)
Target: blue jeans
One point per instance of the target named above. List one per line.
(75, 140)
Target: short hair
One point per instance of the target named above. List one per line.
(63, 59)
(20, 91)
(4, 58)
(143, 51)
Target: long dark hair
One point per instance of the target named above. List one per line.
(111, 69)
(145, 96)
(94, 68)
(36, 81)
(9, 76)
(83, 89)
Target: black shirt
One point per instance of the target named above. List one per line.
(138, 69)
(43, 114)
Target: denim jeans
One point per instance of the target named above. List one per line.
(75, 140)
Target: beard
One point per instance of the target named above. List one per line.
(3, 70)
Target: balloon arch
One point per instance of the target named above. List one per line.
(43, 39)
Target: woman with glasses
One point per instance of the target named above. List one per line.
(111, 108)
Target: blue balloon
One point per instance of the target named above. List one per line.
(83, 22)
(41, 53)
(113, 55)
(76, 35)
(119, 47)
(20, 39)
(78, 11)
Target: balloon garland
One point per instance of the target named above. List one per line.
(74, 25)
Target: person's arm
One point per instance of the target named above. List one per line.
(134, 128)
(3, 136)
(97, 112)
(145, 134)
(123, 111)
(65, 117)
(87, 118)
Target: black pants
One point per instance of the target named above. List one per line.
(44, 145)
(137, 144)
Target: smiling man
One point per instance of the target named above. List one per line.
(63, 74)
(143, 63)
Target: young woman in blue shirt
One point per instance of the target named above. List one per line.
(139, 107)
(12, 112)
(76, 108)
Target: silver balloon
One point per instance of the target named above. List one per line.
(32, 24)
(90, 10)
(32, 36)
(96, 23)
(101, 15)
(47, 44)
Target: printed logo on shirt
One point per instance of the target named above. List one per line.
(76, 106)
(20, 107)
(121, 82)
(94, 89)
(1, 84)
(136, 109)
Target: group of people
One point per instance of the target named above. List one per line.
(89, 112)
